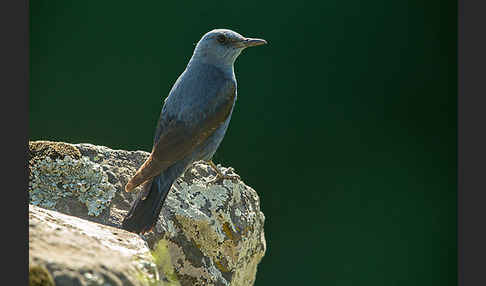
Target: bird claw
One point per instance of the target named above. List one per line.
(219, 178)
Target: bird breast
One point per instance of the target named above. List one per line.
(195, 93)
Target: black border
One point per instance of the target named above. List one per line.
(14, 92)
(471, 143)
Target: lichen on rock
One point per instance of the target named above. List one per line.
(51, 180)
(40, 276)
(214, 232)
(208, 233)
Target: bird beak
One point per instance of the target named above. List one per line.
(251, 42)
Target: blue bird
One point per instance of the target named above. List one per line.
(192, 123)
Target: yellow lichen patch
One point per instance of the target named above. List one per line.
(227, 231)
(220, 266)
(187, 273)
(53, 150)
(208, 242)
(39, 276)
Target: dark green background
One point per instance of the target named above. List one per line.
(345, 123)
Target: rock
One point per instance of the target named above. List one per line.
(80, 252)
(40, 276)
(214, 232)
(207, 234)
(86, 181)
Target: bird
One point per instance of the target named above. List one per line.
(192, 123)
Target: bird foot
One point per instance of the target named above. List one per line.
(220, 176)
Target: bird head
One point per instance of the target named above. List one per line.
(222, 46)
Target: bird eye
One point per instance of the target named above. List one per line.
(221, 39)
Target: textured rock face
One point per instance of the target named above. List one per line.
(79, 252)
(214, 232)
(207, 234)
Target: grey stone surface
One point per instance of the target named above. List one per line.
(80, 252)
(207, 233)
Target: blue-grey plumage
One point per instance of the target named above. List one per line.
(192, 123)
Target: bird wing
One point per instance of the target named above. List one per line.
(179, 138)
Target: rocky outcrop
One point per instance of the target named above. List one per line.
(207, 233)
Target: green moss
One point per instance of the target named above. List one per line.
(146, 280)
(39, 276)
(164, 264)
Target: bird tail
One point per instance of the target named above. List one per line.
(146, 208)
